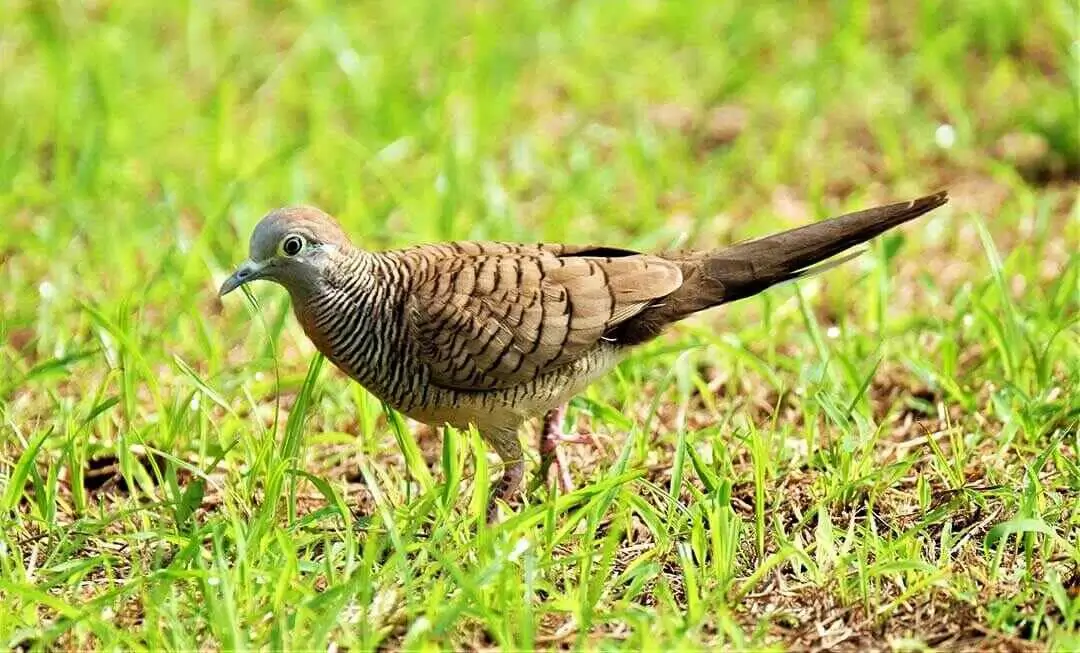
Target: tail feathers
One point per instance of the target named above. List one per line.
(748, 268)
(745, 269)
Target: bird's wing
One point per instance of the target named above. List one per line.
(491, 316)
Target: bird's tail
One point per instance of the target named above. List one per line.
(748, 268)
(744, 269)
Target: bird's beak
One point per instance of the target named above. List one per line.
(248, 271)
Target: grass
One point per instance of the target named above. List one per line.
(885, 456)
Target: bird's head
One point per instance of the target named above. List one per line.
(292, 247)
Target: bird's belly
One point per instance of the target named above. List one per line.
(507, 408)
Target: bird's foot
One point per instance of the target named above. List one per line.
(505, 489)
(551, 454)
(492, 511)
(556, 456)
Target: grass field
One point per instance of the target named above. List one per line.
(885, 456)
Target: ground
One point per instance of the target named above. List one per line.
(883, 457)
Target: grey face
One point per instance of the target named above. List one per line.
(289, 247)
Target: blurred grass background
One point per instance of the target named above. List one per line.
(860, 438)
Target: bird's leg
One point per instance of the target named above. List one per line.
(507, 445)
(551, 435)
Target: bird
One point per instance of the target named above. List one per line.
(493, 334)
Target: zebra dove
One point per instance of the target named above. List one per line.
(492, 334)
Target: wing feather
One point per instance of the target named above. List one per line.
(494, 315)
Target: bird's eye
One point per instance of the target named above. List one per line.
(292, 245)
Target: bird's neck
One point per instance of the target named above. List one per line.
(353, 316)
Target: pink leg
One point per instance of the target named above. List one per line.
(551, 435)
